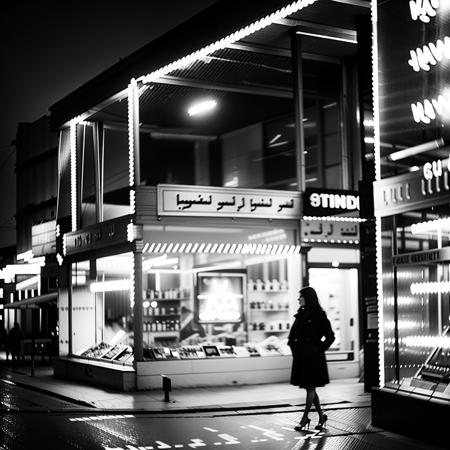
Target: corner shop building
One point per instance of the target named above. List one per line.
(176, 217)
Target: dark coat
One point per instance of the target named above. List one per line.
(309, 366)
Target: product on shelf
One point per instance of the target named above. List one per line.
(96, 351)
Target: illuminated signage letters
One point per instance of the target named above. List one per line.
(334, 201)
(178, 200)
(321, 202)
(423, 9)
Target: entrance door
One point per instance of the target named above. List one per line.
(338, 294)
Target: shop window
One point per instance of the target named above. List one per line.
(102, 322)
(167, 160)
(231, 301)
(416, 299)
(279, 154)
(116, 198)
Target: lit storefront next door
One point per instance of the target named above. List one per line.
(338, 295)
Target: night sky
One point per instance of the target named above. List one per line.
(51, 47)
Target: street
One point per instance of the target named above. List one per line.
(33, 420)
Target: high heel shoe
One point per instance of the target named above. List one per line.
(302, 426)
(321, 425)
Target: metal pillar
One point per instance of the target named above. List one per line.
(297, 71)
(137, 309)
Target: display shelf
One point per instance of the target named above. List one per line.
(166, 299)
(269, 309)
(156, 316)
(163, 333)
(271, 291)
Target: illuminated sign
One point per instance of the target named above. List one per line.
(326, 202)
(414, 190)
(205, 201)
(414, 76)
(429, 55)
(423, 9)
(329, 232)
(423, 257)
(101, 235)
(220, 297)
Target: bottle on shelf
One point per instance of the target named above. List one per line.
(259, 285)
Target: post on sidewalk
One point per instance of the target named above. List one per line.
(32, 355)
(167, 387)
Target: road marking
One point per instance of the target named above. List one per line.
(196, 443)
(229, 439)
(211, 429)
(269, 433)
(162, 444)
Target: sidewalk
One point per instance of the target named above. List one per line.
(339, 393)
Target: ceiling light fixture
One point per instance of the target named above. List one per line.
(202, 107)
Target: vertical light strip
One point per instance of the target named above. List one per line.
(132, 89)
(73, 172)
(378, 241)
(375, 88)
(132, 281)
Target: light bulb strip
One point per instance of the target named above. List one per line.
(334, 219)
(230, 39)
(331, 241)
(73, 172)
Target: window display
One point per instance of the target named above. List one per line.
(194, 305)
(417, 303)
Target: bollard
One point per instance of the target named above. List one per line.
(167, 387)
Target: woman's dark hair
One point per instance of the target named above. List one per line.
(310, 296)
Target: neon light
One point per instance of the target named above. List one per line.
(226, 41)
(334, 219)
(25, 256)
(431, 226)
(426, 341)
(112, 285)
(429, 109)
(430, 54)
(423, 9)
(430, 287)
(421, 148)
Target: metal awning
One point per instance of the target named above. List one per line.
(33, 302)
(336, 18)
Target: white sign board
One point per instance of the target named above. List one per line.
(180, 200)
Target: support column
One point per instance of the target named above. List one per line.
(137, 308)
(297, 71)
(297, 79)
(98, 136)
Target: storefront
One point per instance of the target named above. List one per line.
(186, 249)
(412, 209)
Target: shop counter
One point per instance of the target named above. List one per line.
(222, 371)
(101, 373)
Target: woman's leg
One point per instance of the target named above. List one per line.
(310, 397)
(318, 407)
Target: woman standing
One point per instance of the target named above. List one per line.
(310, 336)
